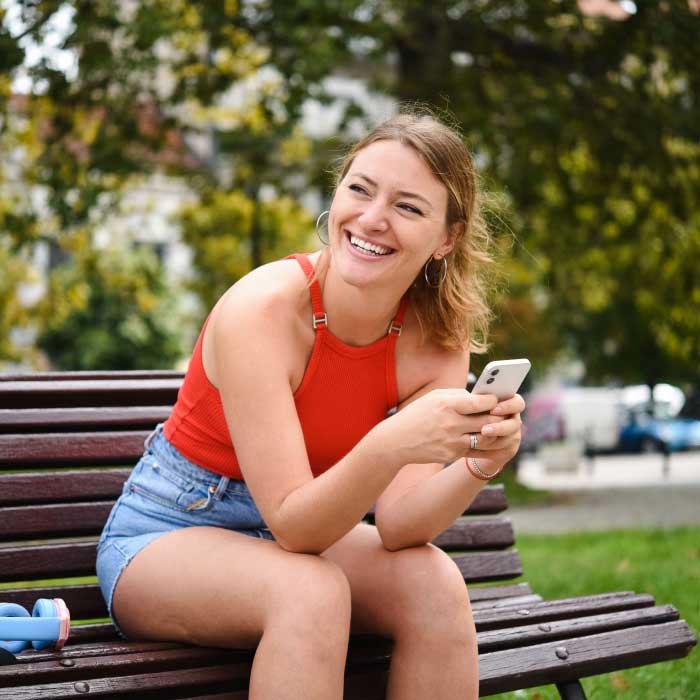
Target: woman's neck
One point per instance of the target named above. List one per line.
(356, 316)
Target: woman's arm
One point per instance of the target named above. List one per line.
(253, 340)
(423, 500)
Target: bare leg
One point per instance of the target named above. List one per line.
(214, 587)
(418, 598)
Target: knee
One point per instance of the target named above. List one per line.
(313, 604)
(432, 598)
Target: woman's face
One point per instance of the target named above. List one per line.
(387, 216)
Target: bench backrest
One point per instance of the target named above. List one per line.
(68, 442)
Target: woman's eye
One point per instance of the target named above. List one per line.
(411, 208)
(358, 188)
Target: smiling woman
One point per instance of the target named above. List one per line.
(321, 385)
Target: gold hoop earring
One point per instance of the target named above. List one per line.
(319, 227)
(443, 277)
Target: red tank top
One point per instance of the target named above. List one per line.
(344, 393)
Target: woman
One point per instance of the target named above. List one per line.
(339, 378)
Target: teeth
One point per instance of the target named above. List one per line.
(368, 247)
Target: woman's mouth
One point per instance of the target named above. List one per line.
(371, 249)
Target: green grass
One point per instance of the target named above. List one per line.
(664, 563)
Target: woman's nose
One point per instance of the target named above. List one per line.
(374, 216)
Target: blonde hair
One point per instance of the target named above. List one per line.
(456, 314)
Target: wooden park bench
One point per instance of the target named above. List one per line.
(67, 441)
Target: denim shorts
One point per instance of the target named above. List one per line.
(166, 492)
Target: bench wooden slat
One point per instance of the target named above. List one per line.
(490, 593)
(143, 374)
(97, 392)
(56, 520)
(61, 520)
(71, 449)
(527, 635)
(85, 600)
(46, 420)
(61, 486)
(527, 667)
(551, 610)
(81, 484)
(519, 602)
(78, 559)
(470, 533)
(224, 676)
(47, 561)
(489, 566)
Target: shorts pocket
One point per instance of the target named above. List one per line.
(165, 487)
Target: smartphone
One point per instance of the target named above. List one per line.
(502, 378)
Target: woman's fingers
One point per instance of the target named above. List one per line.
(515, 404)
(465, 403)
(503, 428)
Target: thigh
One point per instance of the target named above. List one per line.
(388, 587)
(211, 586)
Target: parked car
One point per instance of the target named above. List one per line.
(649, 432)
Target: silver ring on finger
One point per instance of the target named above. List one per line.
(473, 441)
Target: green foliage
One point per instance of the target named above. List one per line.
(587, 126)
(110, 310)
(220, 229)
(16, 271)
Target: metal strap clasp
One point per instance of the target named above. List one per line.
(320, 320)
(395, 328)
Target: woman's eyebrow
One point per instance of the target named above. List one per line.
(402, 193)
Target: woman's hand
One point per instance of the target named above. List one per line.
(436, 427)
(497, 443)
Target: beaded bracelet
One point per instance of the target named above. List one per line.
(478, 473)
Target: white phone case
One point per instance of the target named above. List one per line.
(502, 378)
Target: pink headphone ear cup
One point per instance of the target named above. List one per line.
(64, 616)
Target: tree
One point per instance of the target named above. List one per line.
(149, 81)
(591, 128)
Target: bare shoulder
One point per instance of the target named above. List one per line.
(263, 308)
(269, 289)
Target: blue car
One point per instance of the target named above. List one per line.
(644, 433)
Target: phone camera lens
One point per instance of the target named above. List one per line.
(495, 372)
(490, 380)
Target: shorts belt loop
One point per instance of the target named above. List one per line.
(221, 487)
(152, 436)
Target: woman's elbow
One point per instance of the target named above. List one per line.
(297, 543)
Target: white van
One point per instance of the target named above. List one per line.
(589, 416)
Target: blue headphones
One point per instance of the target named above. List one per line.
(46, 628)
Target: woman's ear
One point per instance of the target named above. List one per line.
(453, 233)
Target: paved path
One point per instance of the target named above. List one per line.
(618, 492)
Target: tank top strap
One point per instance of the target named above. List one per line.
(397, 324)
(390, 372)
(320, 320)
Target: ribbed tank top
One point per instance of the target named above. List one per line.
(344, 393)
